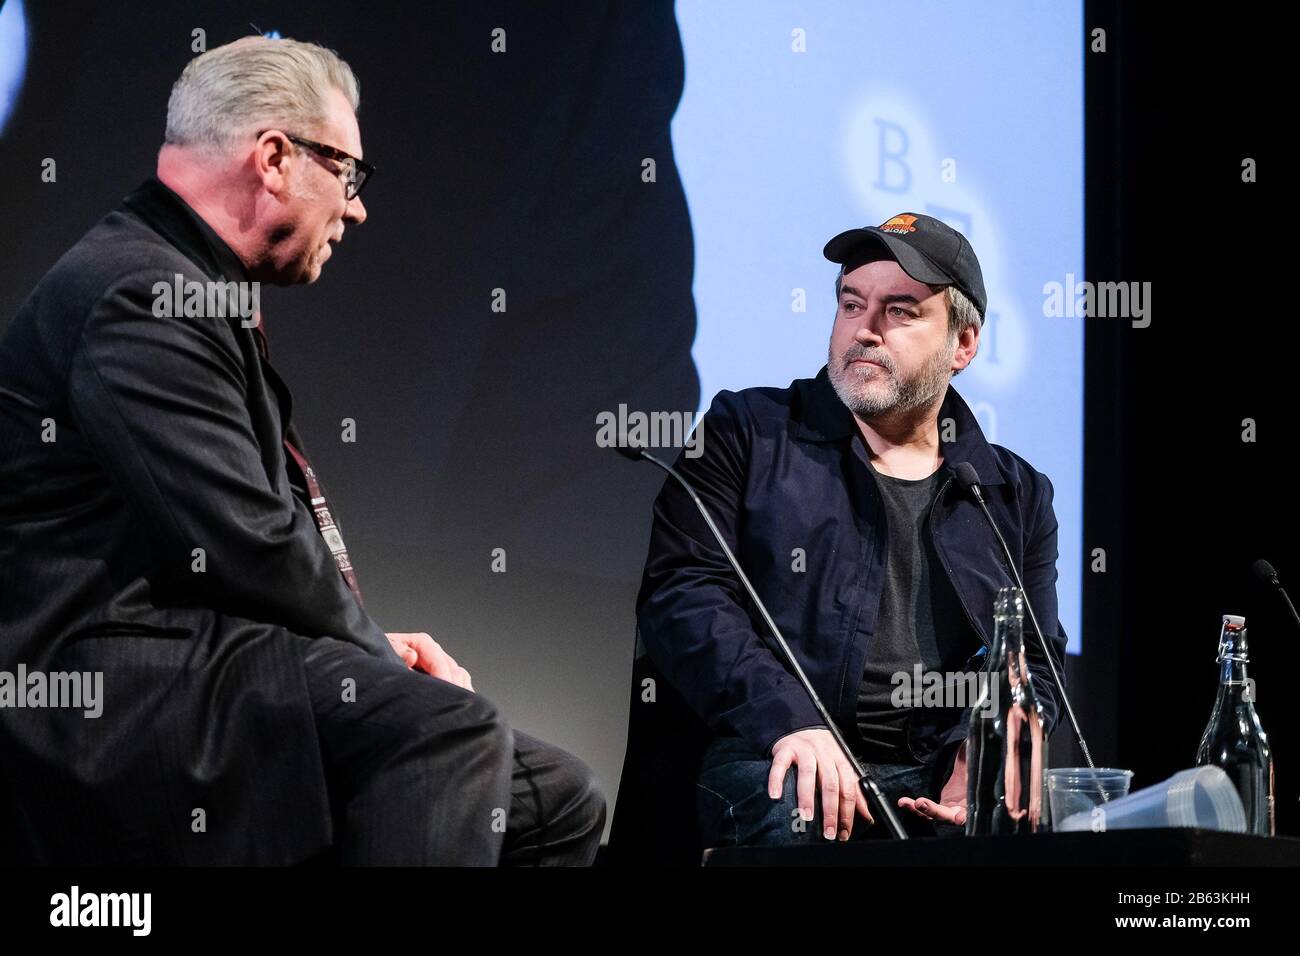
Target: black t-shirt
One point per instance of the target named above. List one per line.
(921, 619)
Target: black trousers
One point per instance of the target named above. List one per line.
(422, 772)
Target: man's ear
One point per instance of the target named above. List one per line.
(968, 344)
(272, 161)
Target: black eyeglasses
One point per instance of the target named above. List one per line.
(355, 172)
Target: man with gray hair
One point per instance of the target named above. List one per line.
(160, 524)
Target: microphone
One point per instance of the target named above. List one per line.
(871, 790)
(1264, 571)
(969, 477)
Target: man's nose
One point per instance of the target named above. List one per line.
(866, 333)
(356, 212)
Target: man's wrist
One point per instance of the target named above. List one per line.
(767, 751)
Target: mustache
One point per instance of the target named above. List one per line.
(855, 352)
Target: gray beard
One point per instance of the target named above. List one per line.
(885, 393)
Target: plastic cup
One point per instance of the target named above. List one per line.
(1201, 797)
(1072, 790)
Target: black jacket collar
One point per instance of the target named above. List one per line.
(822, 417)
(172, 218)
(169, 216)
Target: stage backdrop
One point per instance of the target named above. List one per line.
(771, 127)
(800, 121)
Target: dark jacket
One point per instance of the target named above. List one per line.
(167, 438)
(781, 469)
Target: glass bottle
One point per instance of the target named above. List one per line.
(1006, 749)
(1234, 740)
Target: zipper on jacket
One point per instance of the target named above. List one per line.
(840, 703)
(934, 521)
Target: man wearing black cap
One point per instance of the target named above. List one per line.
(839, 498)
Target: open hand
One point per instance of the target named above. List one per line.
(951, 807)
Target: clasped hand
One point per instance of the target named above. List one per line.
(422, 652)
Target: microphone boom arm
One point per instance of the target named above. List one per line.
(1033, 618)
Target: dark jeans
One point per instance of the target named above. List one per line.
(422, 772)
(735, 810)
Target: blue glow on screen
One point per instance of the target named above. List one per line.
(13, 56)
(969, 112)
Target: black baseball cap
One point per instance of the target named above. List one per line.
(928, 250)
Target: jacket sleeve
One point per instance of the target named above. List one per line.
(160, 402)
(1039, 574)
(693, 612)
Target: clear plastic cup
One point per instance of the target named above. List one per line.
(1072, 790)
(1201, 797)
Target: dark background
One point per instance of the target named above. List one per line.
(1182, 505)
(475, 429)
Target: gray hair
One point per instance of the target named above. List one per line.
(962, 315)
(255, 83)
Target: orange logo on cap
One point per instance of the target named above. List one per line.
(901, 223)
